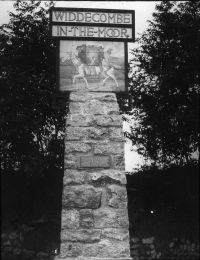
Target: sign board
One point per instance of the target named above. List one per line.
(75, 23)
(92, 48)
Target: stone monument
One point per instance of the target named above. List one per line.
(94, 219)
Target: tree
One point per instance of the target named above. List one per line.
(164, 84)
(31, 129)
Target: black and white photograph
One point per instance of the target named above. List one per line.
(99, 130)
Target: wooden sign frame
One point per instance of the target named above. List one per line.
(131, 26)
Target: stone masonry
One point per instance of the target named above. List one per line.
(94, 224)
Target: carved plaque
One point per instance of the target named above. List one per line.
(94, 161)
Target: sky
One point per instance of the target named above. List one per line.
(143, 13)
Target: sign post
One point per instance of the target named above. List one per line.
(92, 66)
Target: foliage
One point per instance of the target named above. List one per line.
(31, 129)
(165, 79)
(163, 204)
(163, 190)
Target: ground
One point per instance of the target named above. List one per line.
(163, 218)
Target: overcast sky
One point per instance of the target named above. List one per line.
(143, 10)
(143, 13)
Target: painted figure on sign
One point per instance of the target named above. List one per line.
(109, 67)
(81, 62)
(88, 62)
(97, 59)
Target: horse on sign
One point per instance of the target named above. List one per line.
(93, 62)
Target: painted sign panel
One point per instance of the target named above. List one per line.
(103, 24)
(92, 66)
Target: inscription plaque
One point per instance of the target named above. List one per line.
(95, 161)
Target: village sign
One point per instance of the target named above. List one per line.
(92, 48)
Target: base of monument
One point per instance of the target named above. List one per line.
(94, 258)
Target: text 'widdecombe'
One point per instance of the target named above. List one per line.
(92, 17)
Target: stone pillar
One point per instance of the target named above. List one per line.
(94, 215)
